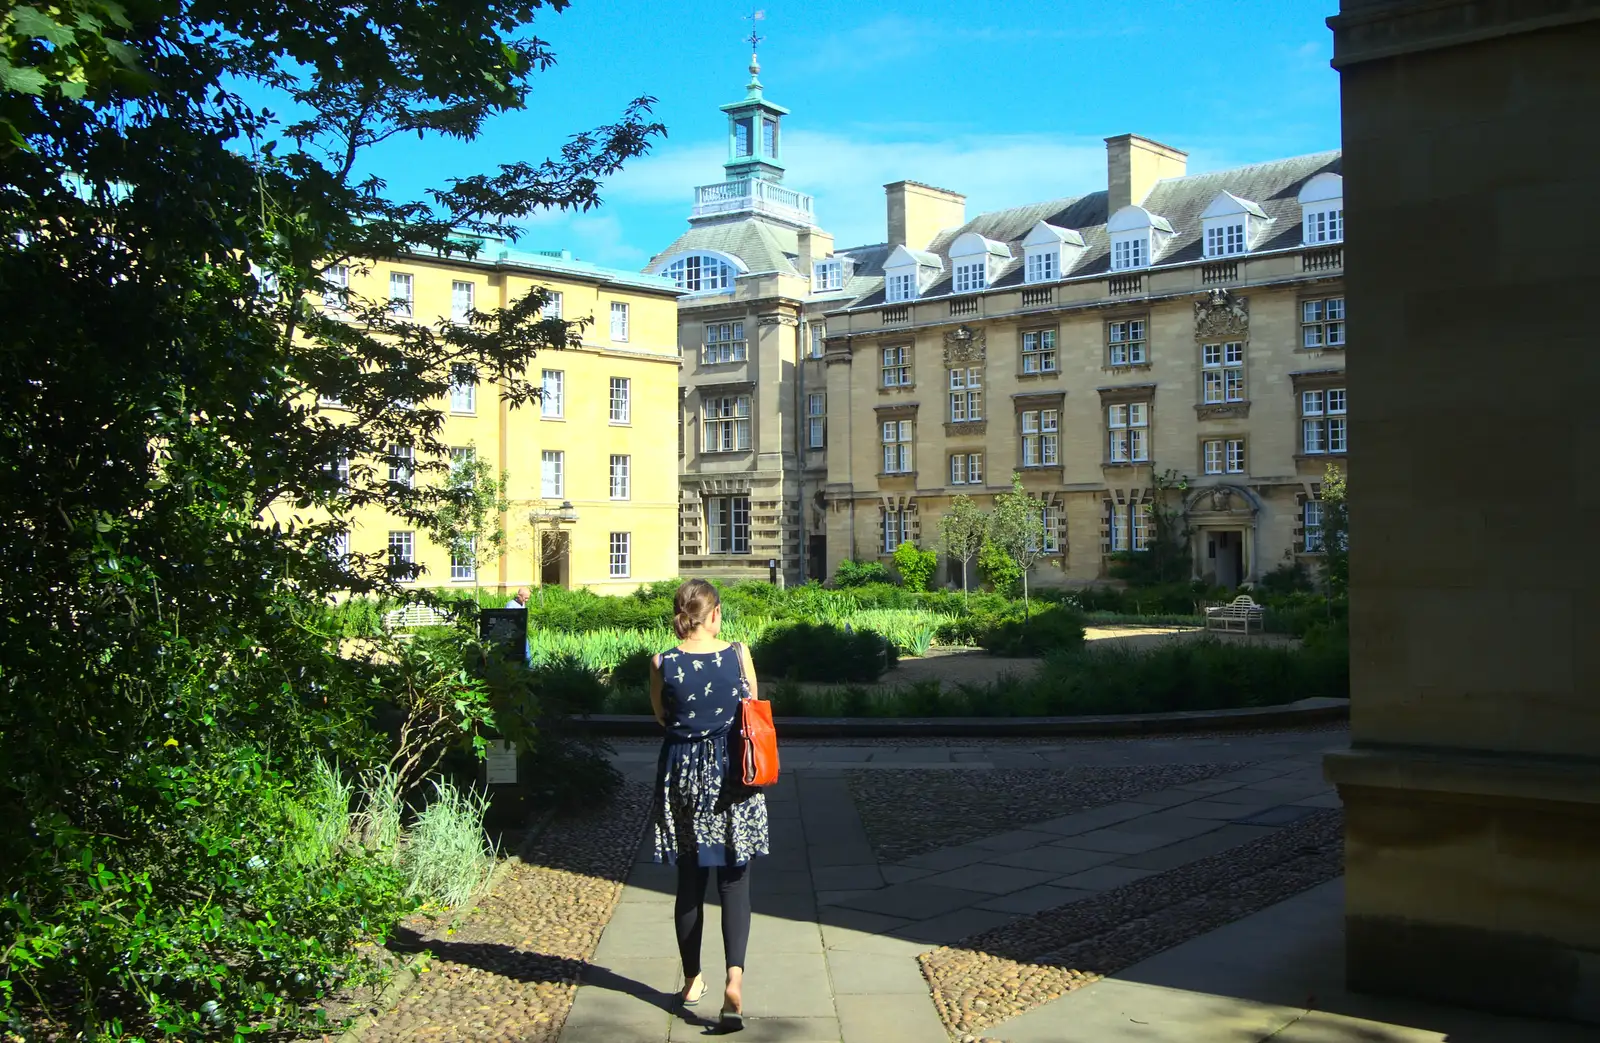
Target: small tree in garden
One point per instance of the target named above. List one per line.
(999, 568)
(1335, 533)
(961, 533)
(916, 567)
(1017, 527)
(469, 522)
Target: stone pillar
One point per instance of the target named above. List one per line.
(1472, 786)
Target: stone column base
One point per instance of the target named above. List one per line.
(1472, 879)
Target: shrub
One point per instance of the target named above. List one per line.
(1050, 630)
(1289, 578)
(916, 567)
(999, 568)
(447, 857)
(859, 573)
(821, 652)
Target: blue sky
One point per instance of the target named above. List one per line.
(1008, 102)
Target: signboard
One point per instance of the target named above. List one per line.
(506, 628)
(500, 763)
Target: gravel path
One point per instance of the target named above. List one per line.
(913, 811)
(510, 969)
(1001, 973)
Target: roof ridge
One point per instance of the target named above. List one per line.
(1250, 166)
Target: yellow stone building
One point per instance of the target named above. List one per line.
(592, 467)
(836, 399)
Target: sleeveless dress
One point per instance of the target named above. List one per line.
(701, 808)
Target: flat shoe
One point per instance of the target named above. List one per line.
(691, 1000)
(732, 1020)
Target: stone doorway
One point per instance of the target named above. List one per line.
(555, 555)
(1224, 563)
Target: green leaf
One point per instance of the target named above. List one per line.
(30, 21)
(23, 81)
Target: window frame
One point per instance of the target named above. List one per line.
(1132, 435)
(1222, 376)
(553, 407)
(1227, 237)
(965, 394)
(1131, 251)
(553, 305)
(816, 419)
(728, 414)
(620, 330)
(901, 367)
(1041, 264)
(464, 391)
(1324, 420)
(552, 463)
(336, 296)
(1328, 217)
(620, 564)
(403, 474)
(623, 416)
(408, 308)
(701, 273)
(724, 343)
(899, 287)
(729, 526)
(1043, 355)
(1317, 333)
(827, 275)
(1128, 343)
(970, 276)
(406, 538)
(899, 445)
(459, 314)
(620, 477)
(1039, 433)
(465, 570)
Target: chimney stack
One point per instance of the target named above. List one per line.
(1134, 165)
(918, 212)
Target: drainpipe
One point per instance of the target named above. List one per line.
(802, 422)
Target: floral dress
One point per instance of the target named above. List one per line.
(701, 808)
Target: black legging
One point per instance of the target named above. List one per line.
(733, 887)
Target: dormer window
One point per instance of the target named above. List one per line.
(907, 273)
(1322, 210)
(827, 276)
(975, 261)
(701, 272)
(1137, 236)
(1049, 252)
(1231, 225)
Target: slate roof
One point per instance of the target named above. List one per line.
(1274, 186)
(762, 246)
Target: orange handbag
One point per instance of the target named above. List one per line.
(758, 746)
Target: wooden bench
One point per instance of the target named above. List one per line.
(414, 617)
(1237, 614)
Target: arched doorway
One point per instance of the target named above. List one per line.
(1222, 519)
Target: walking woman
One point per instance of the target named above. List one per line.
(704, 816)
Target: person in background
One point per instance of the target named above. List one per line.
(702, 814)
(520, 599)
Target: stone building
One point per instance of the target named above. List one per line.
(590, 466)
(756, 274)
(1171, 327)
(1472, 785)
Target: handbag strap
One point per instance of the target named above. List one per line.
(738, 656)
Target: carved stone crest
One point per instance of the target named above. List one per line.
(1221, 314)
(965, 346)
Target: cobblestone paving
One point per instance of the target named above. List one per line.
(1003, 972)
(910, 812)
(510, 970)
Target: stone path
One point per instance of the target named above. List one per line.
(836, 935)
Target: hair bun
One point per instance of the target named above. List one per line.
(693, 605)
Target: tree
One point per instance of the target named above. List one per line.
(469, 520)
(961, 532)
(171, 494)
(1017, 527)
(916, 566)
(1335, 533)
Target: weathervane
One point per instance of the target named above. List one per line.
(755, 40)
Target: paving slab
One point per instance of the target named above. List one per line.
(607, 1015)
(1034, 899)
(1096, 818)
(1216, 809)
(1283, 815)
(857, 973)
(1102, 878)
(1016, 840)
(1118, 841)
(916, 900)
(757, 1029)
(947, 858)
(990, 879)
(953, 926)
(901, 874)
(889, 1019)
(1194, 848)
(1056, 858)
(838, 878)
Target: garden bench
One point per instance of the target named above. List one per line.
(1237, 614)
(413, 617)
